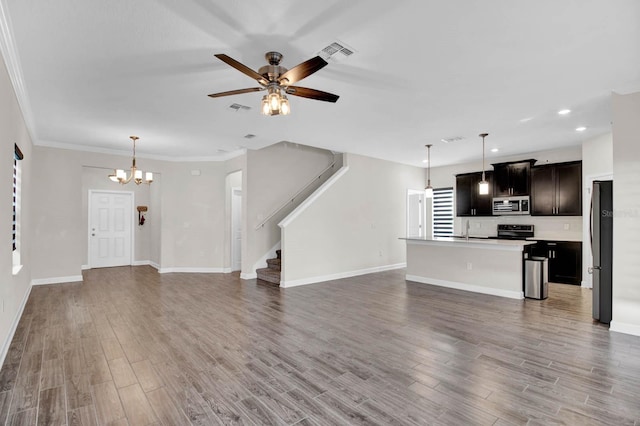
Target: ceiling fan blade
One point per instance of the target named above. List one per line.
(302, 70)
(305, 92)
(241, 67)
(236, 92)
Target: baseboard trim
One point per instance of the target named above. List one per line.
(466, 287)
(141, 262)
(57, 280)
(621, 327)
(585, 284)
(14, 326)
(190, 270)
(250, 276)
(85, 267)
(154, 265)
(340, 275)
(226, 270)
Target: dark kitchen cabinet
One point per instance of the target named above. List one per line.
(512, 179)
(556, 189)
(565, 260)
(468, 201)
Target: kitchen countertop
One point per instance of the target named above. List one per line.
(472, 242)
(554, 238)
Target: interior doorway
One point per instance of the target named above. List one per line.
(110, 228)
(236, 229)
(415, 214)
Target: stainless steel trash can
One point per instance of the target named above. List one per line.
(536, 280)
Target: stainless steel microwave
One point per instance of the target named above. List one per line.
(510, 205)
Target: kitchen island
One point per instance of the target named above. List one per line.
(489, 266)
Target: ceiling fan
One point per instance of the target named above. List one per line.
(278, 82)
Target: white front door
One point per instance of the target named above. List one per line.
(236, 229)
(110, 228)
(415, 213)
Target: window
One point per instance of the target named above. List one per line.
(17, 181)
(443, 212)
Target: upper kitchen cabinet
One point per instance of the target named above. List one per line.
(556, 189)
(468, 201)
(511, 179)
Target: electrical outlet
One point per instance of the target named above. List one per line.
(566, 226)
(478, 225)
(380, 253)
(469, 265)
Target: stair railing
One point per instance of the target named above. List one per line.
(296, 195)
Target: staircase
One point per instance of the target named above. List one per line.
(271, 273)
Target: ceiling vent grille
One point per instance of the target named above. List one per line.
(452, 139)
(336, 51)
(238, 107)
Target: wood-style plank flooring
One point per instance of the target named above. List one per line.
(131, 346)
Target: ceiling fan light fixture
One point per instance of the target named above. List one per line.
(274, 101)
(278, 81)
(285, 108)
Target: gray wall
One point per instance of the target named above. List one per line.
(14, 288)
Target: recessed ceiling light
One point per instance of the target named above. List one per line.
(564, 111)
(581, 129)
(494, 150)
(524, 120)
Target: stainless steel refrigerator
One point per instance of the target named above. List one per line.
(602, 248)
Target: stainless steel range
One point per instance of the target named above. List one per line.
(515, 232)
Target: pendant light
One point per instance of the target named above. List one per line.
(120, 175)
(428, 190)
(483, 186)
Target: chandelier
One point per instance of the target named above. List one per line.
(119, 175)
(275, 102)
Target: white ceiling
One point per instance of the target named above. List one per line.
(90, 73)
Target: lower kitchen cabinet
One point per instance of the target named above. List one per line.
(565, 260)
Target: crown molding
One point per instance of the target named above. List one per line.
(12, 61)
(85, 148)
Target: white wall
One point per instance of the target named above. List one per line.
(626, 220)
(352, 227)
(184, 223)
(193, 216)
(552, 227)
(233, 180)
(273, 175)
(597, 162)
(14, 288)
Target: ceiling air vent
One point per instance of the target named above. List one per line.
(238, 107)
(452, 139)
(336, 51)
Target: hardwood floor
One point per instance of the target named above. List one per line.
(130, 346)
